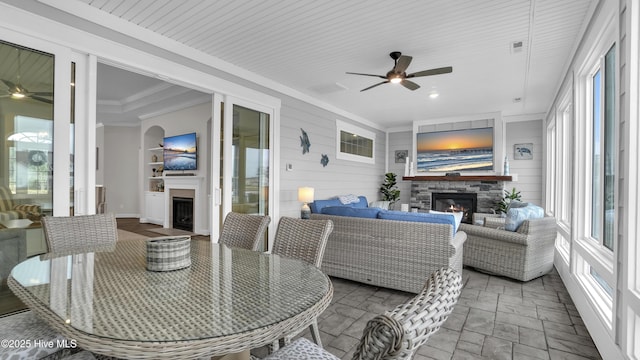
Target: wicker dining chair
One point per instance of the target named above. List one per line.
(78, 234)
(396, 334)
(244, 230)
(305, 240)
(302, 239)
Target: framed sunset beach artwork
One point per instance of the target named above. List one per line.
(455, 150)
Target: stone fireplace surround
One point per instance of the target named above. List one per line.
(488, 192)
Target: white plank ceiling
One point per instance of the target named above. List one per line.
(308, 45)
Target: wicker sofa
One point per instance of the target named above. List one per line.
(523, 255)
(390, 253)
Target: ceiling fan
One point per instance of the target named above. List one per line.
(397, 75)
(17, 91)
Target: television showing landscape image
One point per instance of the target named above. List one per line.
(180, 152)
(455, 150)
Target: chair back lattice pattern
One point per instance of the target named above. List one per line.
(78, 234)
(244, 230)
(399, 333)
(302, 239)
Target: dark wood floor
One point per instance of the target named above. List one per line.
(133, 225)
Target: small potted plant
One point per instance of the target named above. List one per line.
(503, 204)
(389, 190)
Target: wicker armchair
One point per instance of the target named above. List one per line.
(78, 234)
(244, 230)
(305, 240)
(522, 255)
(399, 333)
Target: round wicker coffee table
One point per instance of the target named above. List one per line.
(227, 301)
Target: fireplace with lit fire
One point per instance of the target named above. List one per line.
(456, 202)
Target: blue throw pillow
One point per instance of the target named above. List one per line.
(370, 213)
(418, 217)
(363, 203)
(316, 206)
(517, 214)
(457, 216)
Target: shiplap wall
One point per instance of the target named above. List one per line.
(529, 172)
(400, 141)
(339, 177)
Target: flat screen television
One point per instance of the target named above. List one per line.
(180, 152)
(455, 150)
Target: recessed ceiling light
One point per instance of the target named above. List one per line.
(433, 94)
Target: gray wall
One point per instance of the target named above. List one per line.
(529, 172)
(121, 168)
(400, 141)
(339, 177)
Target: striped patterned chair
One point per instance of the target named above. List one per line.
(11, 211)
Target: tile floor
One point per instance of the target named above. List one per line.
(495, 318)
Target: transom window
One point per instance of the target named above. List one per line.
(354, 143)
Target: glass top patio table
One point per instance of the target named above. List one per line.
(227, 301)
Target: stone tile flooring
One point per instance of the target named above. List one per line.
(495, 318)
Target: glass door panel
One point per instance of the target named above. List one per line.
(250, 161)
(246, 160)
(26, 159)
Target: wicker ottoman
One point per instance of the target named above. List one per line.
(168, 253)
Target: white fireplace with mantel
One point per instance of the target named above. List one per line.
(180, 186)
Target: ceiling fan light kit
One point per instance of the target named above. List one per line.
(18, 91)
(398, 74)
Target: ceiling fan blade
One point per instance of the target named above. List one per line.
(38, 98)
(438, 71)
(378, 76)
(372, 86)
(402, 64)
(409, 84)
(9, 84)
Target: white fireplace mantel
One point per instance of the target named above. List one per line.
(196, 183)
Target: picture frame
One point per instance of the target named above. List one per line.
(401, 156)
(523, 151)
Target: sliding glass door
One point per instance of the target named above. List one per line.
(36, 167)
(247, 158)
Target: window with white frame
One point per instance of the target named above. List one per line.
(596, 157)
(563, 169)
(354, 143)
(603, 153)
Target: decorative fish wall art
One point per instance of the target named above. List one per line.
(304, 141)
(324, 160)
